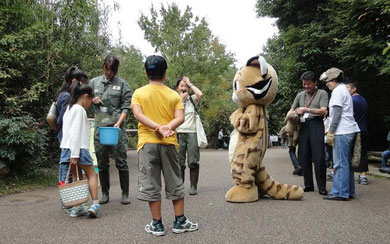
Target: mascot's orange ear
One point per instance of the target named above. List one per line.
(258, 62)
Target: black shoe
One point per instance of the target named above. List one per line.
(323, 192)
(384, 170)
(335, 198)
(298, 171)
(307, 189)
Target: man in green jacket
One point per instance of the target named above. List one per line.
(111, 106)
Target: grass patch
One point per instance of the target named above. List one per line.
(40, 181)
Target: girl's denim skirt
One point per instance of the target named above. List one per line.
(85, 156)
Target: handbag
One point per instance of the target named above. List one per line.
(74, 193)
(357, 149)
(52, 115)
(200, 133)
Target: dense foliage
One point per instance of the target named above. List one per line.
(39, 40)
(352, 35)
(22, 144)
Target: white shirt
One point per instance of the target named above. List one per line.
(188, 125)
(220, 135)
(76, 130)
(341, 97)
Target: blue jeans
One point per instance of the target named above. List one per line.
(63, 170)
(328, 156)
(385, 157)
(343, 181)
(293, 157)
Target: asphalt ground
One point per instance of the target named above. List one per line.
(36, 217)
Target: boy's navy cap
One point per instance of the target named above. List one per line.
(155, 64)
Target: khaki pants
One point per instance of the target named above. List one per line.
(152, 160)
(188, 147)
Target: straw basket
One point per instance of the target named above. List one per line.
(74, 193)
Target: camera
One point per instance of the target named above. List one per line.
(183, 91)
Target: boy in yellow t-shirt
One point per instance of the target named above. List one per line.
(159, 112)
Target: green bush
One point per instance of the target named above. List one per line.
(22, 144)
(132, 141)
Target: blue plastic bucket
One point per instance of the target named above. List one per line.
(109, 135)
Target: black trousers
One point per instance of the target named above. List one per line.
(363, 157)
(311, 150)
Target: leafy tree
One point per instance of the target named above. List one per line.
(38, 41)
(191, 50)
(131, 65)
(317, 35)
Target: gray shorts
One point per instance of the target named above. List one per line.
(152, 160)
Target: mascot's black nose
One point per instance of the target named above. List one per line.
(260, 89)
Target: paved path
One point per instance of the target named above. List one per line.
(35, 217)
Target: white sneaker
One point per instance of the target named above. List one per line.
(78, 211)
(93, 210)
(157, 229)
(184, 226)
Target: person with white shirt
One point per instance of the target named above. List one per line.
(75, 143)
(186, 132)
(341, 134)
(220, 139)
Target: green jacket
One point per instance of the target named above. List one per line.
(116, 97)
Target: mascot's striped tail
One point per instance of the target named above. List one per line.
(268, 186)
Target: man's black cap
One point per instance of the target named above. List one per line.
(155, 65)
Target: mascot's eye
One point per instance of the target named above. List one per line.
(235, 85)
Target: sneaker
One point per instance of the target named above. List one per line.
(329, 176)
(78, 211)
(67, 209)
(184, 226)
(362, 180)
(155, 229)
(384, 170)
(93, 210)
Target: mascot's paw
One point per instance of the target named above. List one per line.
(297, 194)
(241, 194)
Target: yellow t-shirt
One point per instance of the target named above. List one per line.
(158, 102)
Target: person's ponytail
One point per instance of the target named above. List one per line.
(75, 93)
(66, 84)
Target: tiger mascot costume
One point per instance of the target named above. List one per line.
(254, 86)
